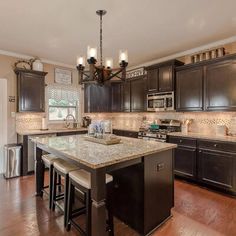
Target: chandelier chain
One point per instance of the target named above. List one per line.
(101, 60)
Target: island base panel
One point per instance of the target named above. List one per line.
(142, 194)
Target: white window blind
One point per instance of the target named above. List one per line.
(62, 101)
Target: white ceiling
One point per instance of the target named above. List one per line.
(59, 30)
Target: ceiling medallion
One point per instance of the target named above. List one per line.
(100, 73)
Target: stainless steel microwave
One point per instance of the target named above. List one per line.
(161, 102)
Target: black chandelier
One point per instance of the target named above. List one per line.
(100, 74)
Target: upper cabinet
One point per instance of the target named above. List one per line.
(220, 86)
(117, 96)
(189, 89)
(127, 96)
(30, 90)
(161, 77)
(96, 98)
(208, 85)
(138, 94)
(152, 80)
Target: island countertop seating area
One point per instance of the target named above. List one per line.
(99, 159)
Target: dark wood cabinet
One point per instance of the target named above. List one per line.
(30, 90)
(217, 169)
(185, 157)
(161, 77)
(152, 80)
(116, 96)
(220, 86)
(96, 98)
(165, 79)
(127, 97)
(207, 85)
(189, 90)
(210, 163)
(138, 94)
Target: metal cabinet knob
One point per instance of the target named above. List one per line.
(200, 151)
(180, 140)
(215, 145)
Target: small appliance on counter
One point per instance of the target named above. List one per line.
(86, 121)
(158, 132)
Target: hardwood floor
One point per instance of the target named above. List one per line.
(197, 212)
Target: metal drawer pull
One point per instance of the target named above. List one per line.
(160, 166)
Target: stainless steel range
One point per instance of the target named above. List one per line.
(159, 132)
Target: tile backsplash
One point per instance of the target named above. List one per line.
(204, 122)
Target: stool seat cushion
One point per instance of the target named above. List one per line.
(49, 159)
(64, 166)
(83, 178)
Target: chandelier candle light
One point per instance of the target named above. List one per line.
(100, 74)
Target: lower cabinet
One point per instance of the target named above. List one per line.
(185, 157)
(207, 162)
(185, 162)
(217, 169)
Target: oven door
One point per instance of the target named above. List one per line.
(156, 103)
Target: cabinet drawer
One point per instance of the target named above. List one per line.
(183, 141)
(217, 145)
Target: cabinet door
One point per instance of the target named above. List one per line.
(96, 98)
(220, 84)
(165, 79)
(31, 92)
(137, 94)
(185, 162)
(103, 98)
(116, 97)
(126, 97)
(216, 168)
(189, 89)
(152, 80)
(90, 98)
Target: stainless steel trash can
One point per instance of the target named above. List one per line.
(12, 160)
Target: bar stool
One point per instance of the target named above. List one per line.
(48, 161)
(61, 168)
(81, 180)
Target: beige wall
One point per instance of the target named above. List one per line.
(6, 71)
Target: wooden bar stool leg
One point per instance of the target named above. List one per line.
(59, 183)
(50, 185)
(66, 198)
(54, 191)
(71, 190)
(88, 212)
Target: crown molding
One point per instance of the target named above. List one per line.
(187, 52)
(27, 57)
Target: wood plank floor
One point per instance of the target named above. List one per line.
(197, 212)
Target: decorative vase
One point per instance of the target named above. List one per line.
(37, 65)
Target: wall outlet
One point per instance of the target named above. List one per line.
(13, 114)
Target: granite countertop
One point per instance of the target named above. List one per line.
(49, 131)
(97, 155)
(224, 138)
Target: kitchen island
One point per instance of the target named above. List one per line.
(155, 169)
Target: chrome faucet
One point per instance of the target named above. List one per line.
(67, 121)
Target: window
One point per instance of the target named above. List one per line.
(62, 101)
